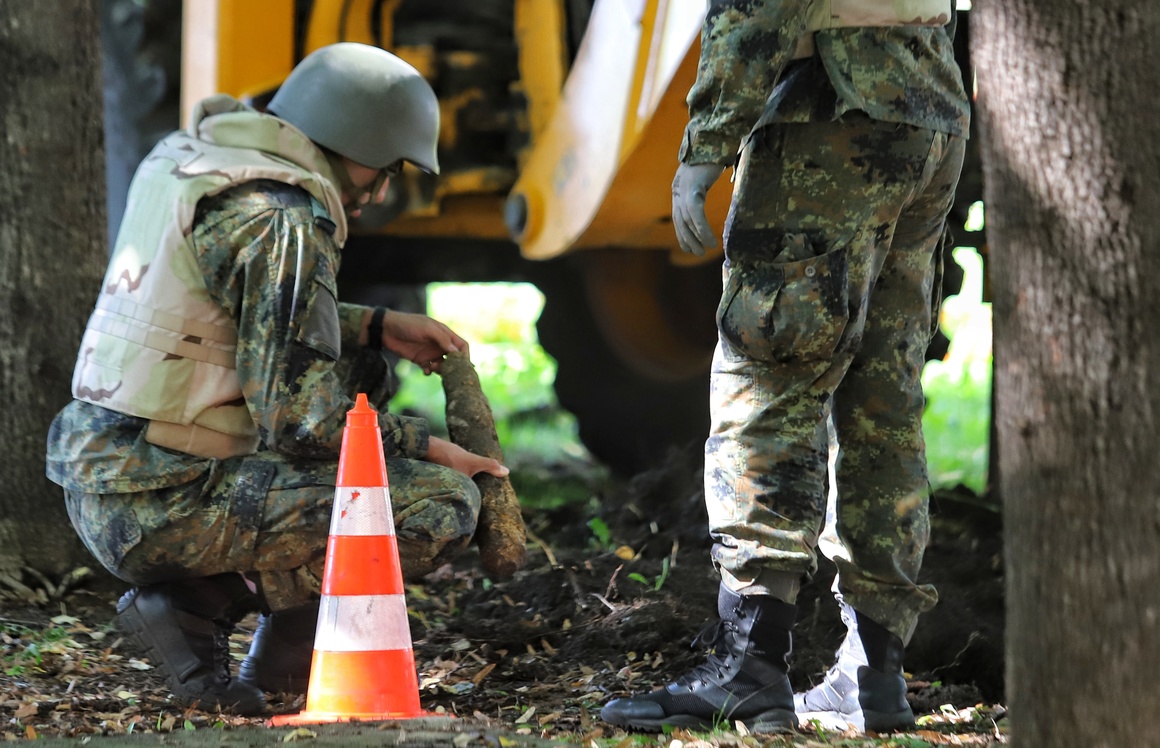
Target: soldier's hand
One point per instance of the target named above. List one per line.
(448, 454)
(420, 339)
(690, 185)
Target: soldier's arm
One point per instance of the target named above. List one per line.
(352, 321)
(745, 44)
(273, 268)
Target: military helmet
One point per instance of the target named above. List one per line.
(364, 103)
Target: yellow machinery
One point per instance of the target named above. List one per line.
(561, 125)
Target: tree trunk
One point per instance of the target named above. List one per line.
(1070, 97)
(52, 255)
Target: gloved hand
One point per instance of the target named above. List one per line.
(689, 188)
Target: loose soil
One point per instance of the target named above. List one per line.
(615, 590)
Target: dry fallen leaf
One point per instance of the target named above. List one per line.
(483, 673)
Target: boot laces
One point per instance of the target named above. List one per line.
(221, 653)
(717, 636)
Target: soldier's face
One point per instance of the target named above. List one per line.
(371, 183)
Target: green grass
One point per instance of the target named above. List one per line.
(538, 437)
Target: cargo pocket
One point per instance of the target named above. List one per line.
(106, 525)
(786, 312)
(320, 327)
(247, 506)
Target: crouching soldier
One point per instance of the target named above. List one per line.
(199, 455)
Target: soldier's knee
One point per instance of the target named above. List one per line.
(437, 528)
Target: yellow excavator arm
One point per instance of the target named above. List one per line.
(561, 123)
(598, 134)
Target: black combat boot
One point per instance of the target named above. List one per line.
(280, 655)
(742, 679)
(865, 689)
(185, 627)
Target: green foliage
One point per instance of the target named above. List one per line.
(957, 427)
(516, 374)
(548, 486)
(957, 420)
(600, 532)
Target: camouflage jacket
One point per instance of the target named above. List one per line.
(747, 77)
(268, 257)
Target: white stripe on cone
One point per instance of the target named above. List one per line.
(362, 623)
(362, 511)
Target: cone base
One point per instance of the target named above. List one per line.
(376, 682)
(317, 718)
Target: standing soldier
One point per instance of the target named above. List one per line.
(845, 120)
(200, 453)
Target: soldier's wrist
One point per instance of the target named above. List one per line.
(375, 328)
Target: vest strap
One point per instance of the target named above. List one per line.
(121, 327)
(199, 441)
(123, 307)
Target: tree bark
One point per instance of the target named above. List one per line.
(1069, 97)
(502, 536)
(52, 255)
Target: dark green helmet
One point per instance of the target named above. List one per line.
(364, 103)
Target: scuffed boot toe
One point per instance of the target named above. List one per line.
(633, 712)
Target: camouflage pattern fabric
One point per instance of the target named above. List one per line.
(268, 516)
(904, 74)
(252, 244)
(157, 346)
(269, 260)
(148, 513)
(831, 294)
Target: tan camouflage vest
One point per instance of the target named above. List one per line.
(157, 346)
(836, 14)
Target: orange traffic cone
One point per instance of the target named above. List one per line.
(363, 666)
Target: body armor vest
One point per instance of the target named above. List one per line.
(157, 346)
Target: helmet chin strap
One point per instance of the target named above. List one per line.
(352, 193)
(377, 185)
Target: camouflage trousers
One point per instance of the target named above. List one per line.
(268, 516)
(831, 295)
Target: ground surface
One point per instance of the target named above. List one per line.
(615, 590)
